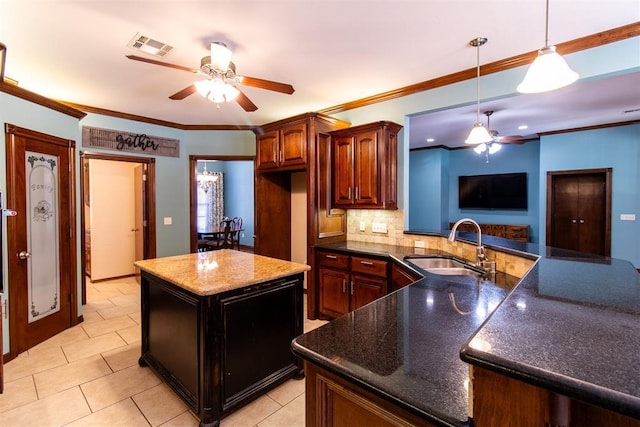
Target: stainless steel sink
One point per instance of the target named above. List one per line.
(435, 262)
(444, 266)
(454, 271)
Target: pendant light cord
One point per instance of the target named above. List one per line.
(478, 82)
(546, 27)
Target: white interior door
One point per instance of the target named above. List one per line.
(112, 219)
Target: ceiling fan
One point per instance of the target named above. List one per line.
(511, 139)
(221, 83)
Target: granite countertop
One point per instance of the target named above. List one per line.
(569, 325)
(214, 272)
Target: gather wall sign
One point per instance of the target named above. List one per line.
(109, 139)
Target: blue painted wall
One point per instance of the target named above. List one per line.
(617, 148)
(433, 185)
(429, 189)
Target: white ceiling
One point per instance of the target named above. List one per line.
(331, 51)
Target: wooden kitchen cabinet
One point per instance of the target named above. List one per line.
(365, 166)
(346, 283)
(283, 148)
(402, 276)
(333, 401)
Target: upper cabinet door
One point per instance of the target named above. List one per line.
(343, 171)
(293, 145)
(267, 150)
(366, 169)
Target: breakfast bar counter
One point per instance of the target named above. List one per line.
(558, 346)
(217, 326)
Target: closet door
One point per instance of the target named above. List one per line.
(578, 211)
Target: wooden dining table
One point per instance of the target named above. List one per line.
(217, 233)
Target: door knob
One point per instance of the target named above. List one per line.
(24, 255)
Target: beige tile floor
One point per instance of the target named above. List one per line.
(89, 376)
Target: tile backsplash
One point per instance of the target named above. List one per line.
(394, 221)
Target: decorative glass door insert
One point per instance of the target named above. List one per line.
(41, 172)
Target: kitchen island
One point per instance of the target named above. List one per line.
(217, 326)
(561, 347)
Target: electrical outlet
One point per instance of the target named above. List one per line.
(627, 217)
(362, 225)
(418, 244)
(378, 227)
(168, 220)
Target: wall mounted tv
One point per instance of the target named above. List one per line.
(507, 191)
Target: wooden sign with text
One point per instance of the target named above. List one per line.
(132, 142)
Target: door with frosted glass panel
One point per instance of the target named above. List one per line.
(41, 238)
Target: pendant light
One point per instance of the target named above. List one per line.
(479, 133)
(549, 71)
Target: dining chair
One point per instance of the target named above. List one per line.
(224, 238)
(236, 230)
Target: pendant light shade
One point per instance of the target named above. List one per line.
(549, 71)
(479, 134)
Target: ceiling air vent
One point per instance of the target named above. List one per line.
(149, 45)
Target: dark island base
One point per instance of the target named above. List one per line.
(219, 352)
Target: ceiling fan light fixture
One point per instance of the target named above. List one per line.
(494, 147)
(217, 90)
(549, 71)
(220, 57)
(480, 148)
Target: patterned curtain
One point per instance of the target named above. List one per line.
(213, 202)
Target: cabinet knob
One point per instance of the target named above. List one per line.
(573, 221)
(582, 221)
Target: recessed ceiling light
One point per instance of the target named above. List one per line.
(430, 139)
(523, 127)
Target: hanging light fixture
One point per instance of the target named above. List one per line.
(206, 179)
(549, 71)
(491, 147)
(221, 71)
(479, 133)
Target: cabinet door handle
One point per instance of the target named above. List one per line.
(369, 263)
(275, 159)
(331, 256)
(357, 195)
(281, 156)
(344, 286)
(352, 287)
(349, 193)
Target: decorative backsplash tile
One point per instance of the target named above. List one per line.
(395, 235)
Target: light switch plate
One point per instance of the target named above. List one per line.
(627, 217)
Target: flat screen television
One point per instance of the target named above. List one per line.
(507, 191)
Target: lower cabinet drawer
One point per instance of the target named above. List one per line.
(369, 266)
(333, 260)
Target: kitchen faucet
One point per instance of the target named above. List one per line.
(480, 254)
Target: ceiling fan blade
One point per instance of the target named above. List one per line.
(163, 64)
(245, 102)
(266, 84)
(182, 94)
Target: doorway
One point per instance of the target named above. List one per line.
(237, 194)
(41, 237)
(142, 179)
(579, 210)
